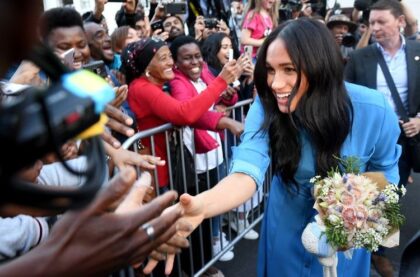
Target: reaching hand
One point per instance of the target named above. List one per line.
(120, 96)
(123, 158)
(94, 241)
(194, 214)
(118, 122)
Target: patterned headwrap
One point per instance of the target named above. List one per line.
(137, 56)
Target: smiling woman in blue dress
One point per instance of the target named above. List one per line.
(304, 116)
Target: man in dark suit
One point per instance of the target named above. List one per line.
(402, 57)
(403, 60)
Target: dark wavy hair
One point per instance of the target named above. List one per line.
(324, 112)
(211, 47)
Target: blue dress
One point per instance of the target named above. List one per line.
(373, 139)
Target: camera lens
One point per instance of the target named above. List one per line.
(349, 40)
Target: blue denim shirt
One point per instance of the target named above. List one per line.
(373, 139)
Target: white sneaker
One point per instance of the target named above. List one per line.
(240, 226)
(217, 247)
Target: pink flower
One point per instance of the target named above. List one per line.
(361, 213)
(357, 193)
(347, 198)
(349, 216)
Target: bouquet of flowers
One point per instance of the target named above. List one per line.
(354, 211)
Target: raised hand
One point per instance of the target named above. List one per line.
(231, 71)
(120, 96)
(118, 122)
(96, 241)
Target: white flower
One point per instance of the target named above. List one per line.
(403, 190)
(333, 218)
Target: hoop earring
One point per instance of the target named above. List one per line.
(147, 74)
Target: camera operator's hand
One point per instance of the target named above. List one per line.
(223, 27)
(339, 39)
(93, 241)
(199, 27)
(118, 122)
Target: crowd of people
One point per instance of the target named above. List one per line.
(325, 84)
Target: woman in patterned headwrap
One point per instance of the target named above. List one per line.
(148, 66)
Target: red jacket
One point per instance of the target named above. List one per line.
(183, 90)
(153, 107)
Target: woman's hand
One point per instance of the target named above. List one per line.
(231, 71)
(193, 215)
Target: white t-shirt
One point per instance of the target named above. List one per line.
(211, 159)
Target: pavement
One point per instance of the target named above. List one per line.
(244, 263)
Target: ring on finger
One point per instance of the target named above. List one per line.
(150, 231)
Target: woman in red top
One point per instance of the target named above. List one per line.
(148, 66)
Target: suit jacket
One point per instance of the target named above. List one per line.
(363, 64)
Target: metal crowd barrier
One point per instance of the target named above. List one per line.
(254, 207)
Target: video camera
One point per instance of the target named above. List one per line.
(40, 121)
